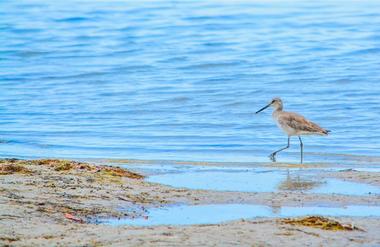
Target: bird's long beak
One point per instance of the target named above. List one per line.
(265, 107)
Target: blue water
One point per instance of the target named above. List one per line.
(212, 214)
(182, 79)
(259, 180)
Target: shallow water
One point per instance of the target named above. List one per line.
(181, 80)
(212, 214)
(254, 178)
(262, 181)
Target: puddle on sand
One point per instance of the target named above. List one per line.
(261, 181)
(217, 213)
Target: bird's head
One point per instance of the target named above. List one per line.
(276, 103)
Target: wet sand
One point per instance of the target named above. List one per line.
(52, 202)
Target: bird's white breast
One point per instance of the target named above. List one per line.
(282, 125)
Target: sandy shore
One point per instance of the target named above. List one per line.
(53, 202)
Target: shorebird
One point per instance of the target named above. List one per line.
(292, 124)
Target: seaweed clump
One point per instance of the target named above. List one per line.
(66, 165)
(119, 172)
(11, 168)
(57, 165)
(321, 223)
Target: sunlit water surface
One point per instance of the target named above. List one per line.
(181, 80)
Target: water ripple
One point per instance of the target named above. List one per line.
(182, 80)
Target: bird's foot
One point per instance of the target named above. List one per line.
(272, 157)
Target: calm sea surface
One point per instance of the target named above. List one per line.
(181, 80)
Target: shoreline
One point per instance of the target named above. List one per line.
(61, 194)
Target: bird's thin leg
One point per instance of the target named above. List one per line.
(301, 144)
(273, 155)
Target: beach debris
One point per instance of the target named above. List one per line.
(11, 168)
(142, 197)
(321, 223)
(119, 172)
(73, 218)
(66, 165)
(9, 239)
(122, 198)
